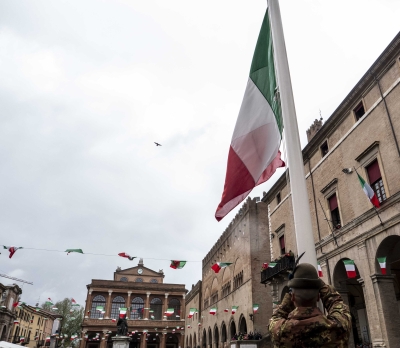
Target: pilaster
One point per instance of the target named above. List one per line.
(88, 306)
(183, 309)
(165, 307)
(128, 305)
(387, 308)
(147, 308)
(108, 309)
(345, 297)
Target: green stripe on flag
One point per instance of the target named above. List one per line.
(262, 71)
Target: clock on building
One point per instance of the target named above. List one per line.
(140, 271)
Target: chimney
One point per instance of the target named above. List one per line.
(315, 127)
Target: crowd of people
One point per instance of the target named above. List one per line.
(247, 336)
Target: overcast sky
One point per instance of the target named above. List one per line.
(86, 87)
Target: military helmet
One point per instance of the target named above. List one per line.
(305, 276)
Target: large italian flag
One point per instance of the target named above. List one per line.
(254, 152)
(350, 268)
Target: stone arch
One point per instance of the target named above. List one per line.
(216, 336)
(223, 332)
(209, 342)
(226, 275)
(232, 328)
(353, 295)
(238, 266)
(204, 339)
(285, 291)
(242, 324)
(214, 286)
(191, 341)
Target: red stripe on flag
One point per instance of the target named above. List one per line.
(351, 274)
(375, 201)
(239, 182)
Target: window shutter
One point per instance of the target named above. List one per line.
(374, 174)
(282, 242)
(333, 202)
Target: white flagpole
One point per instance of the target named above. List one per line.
(301, 208)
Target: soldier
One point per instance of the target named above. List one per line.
(298, 323)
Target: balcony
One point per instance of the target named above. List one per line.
(136, 323)
(282, 267)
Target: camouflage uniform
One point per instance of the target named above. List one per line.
(306, 327)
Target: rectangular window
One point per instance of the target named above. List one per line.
(282, 244)
(375, 179)
(334, 208)
(359, 111)
(278, 198)
(324, 149)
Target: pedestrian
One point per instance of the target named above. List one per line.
(298, 323)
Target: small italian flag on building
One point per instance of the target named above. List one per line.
(219, 265)
(191, 312)
(99, 308)
(169, 312)
(320, 271)
(113, 320)
(350, 268)
(16, 322)
(255, 308)
(382, 264)
(234, 309)
(175, 264)
(226, 310)
(213, 310)
(122, 312)
(369, 192)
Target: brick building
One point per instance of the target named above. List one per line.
(147, 298)
(361, 135)
(9, 294)
(245, 243)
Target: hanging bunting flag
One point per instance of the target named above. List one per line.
(350, 268)
(320, 271)
(213, 310)
(15, 304)
(99, 308)
(226, 310)
(382, 264)
(198, 324)
(127, 256)
(122, 312)
(74, 302)
(16, 322)
(264, 265)
(11, 249)
(177, 264)
(369, 192)
(22, 339)
(49, 302)
(255, 308)
(272, 264)
(54, 309)
(191, 312)
(48, 339)
(74, 251)
(169, 312)
(37, 309)
(219, 265)
(113, 320)
(234, 309)
(152, 317)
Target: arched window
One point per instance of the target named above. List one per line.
(154, 281)
(139, 280)
(156, 307)
(223, 333)
(242, 325)
(204, 340)
(97, 301)
(137, 308)
(124, 279)
(194, 341)
(232, 329)
(117, 303)
(209, 337)
(176, 305)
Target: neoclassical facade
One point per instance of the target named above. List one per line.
(147, 298)
(361, 136)
(9, 294)
(245, 244)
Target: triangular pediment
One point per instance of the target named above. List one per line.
(135, 271)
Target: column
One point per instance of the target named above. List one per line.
(108, 305)
(83, 342)
(165, 306)
(163, 340)
(369, 296)
(388, 311)
(345, 296)
(128, 305)
(103, 340)
(147, 308)
(143, 341)
(183, 309)
(182, 340)
(88, 306)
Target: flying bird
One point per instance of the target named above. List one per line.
(157, 144)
